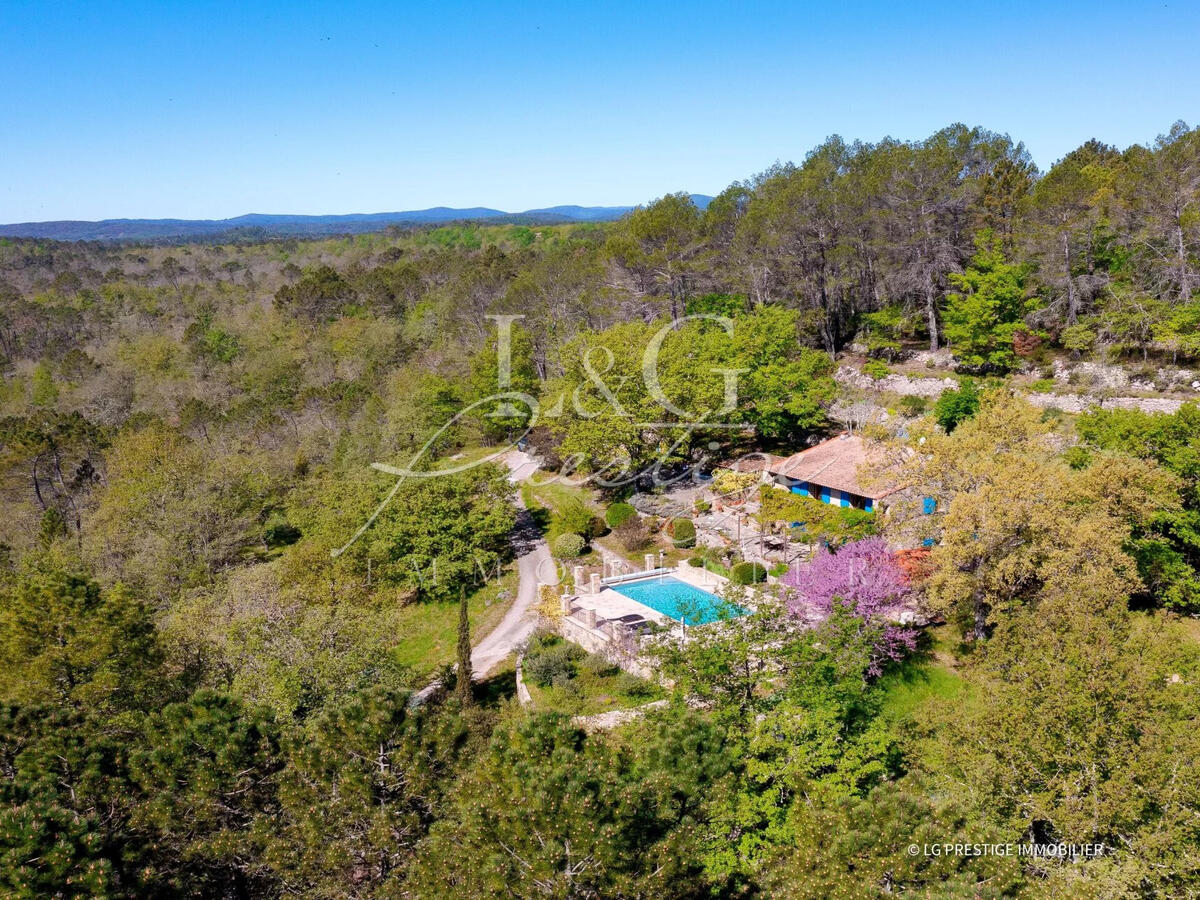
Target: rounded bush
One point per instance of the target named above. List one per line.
(597, 527)
(876, 369)
(696, 562)
(684, 533)
(568, 546)
(571, 517)
(618, 514)
(747, 573)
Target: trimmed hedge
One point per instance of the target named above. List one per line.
(618, 514)
(568, 546)
(747, 573)
(684, 533)
(696, 562)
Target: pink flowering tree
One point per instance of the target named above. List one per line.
(865, 577)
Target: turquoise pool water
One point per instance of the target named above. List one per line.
(677, 599)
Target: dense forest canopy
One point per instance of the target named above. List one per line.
(203, 696)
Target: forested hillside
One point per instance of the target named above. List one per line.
(201, 695)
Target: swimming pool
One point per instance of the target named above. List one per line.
(677, 599)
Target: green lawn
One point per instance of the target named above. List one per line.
(429, 631)
(555, 494)
(931, 679)
(917, 684)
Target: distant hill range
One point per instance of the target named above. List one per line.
(265, 225)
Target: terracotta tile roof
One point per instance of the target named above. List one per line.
(834, 463)
(915, 563)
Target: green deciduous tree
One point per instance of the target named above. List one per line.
(436, 534)
(1167, 545)
(1083, 724)
(1020, 526)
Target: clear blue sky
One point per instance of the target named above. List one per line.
(208, 110)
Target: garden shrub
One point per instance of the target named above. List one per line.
(597, 665)
(568, 546)
(913, 406)
(696, 562)
(597, 527)
(553, 663)
(684, 533)
(747, 573)
(540, 640)
(572, 517)
(632, 686)
(633, 535)
(618, 514)
(876, 369)
(953, 407)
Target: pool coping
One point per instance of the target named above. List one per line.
(612, 604)
(660, 577)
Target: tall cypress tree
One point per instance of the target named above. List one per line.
(463, 681)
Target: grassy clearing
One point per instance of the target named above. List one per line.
(587, 695)
(923, 681)
(428, 632)
(556, 494)
(916, 685)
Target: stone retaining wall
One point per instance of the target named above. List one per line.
(1077, 403)
(601, 641)
(907, 385)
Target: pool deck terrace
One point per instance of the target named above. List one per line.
(610, 604)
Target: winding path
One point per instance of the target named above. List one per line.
(534, 564)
